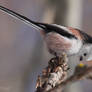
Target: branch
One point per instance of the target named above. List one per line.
(54, 77)
(79, 74)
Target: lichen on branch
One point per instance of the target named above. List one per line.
(54, 77)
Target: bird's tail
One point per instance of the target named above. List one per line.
(22, 18)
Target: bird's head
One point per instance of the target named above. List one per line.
(85, 53)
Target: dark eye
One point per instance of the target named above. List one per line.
(81, 58)
(85, 54)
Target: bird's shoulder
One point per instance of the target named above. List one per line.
(87, 39)
(62, 30)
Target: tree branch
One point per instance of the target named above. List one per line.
(54, 77)
(80, 73)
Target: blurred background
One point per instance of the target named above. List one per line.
(23, 53)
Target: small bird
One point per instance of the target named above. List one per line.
(59, 39)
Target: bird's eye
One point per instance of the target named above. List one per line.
(85, 54)
(81, 58)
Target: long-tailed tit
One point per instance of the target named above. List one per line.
(58, 38)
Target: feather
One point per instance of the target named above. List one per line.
(87, 39)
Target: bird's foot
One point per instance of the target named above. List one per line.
(59, 61)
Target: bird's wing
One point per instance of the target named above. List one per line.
(64, 31)
(87, 39)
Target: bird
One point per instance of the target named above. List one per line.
(59, 39)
